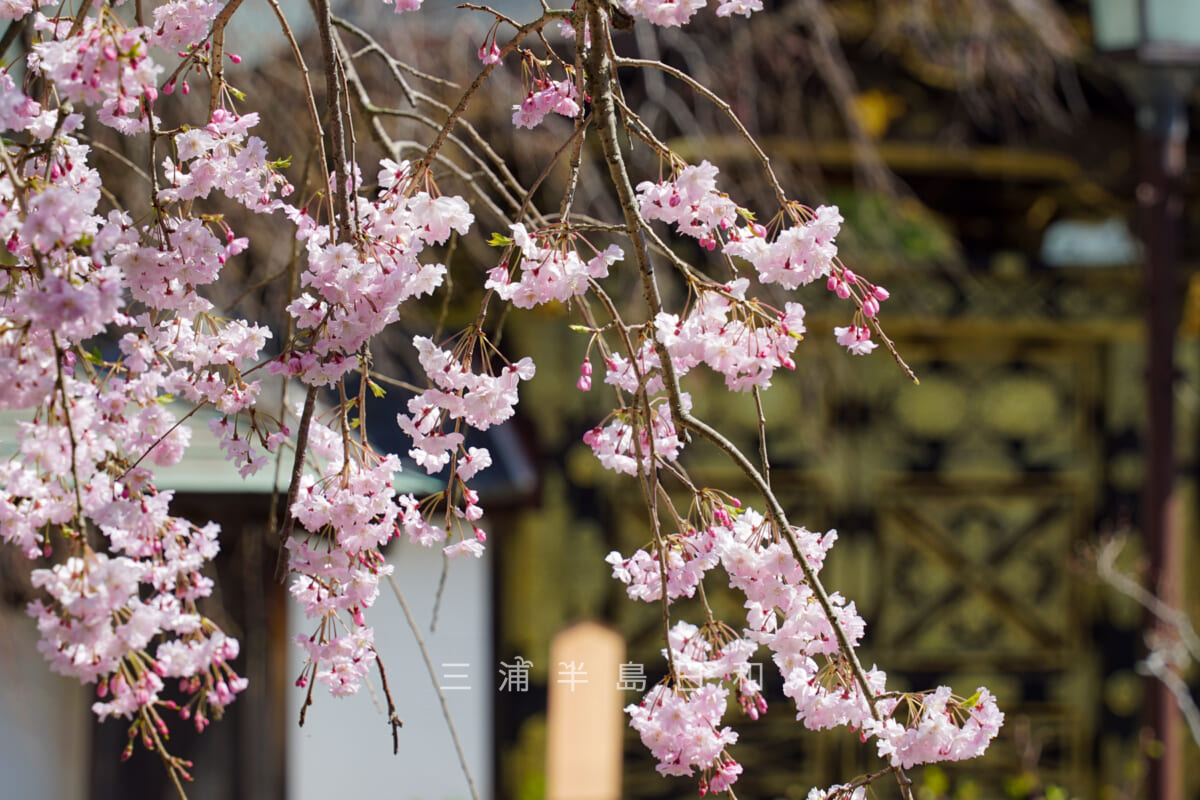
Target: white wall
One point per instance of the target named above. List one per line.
(44, 720)
(350, 736)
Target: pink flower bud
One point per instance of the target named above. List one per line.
(235, 58)
(584, 384)
(870, 307)
(848, 276)
(489, 54)
(586, 368)
(881, 293)
(169, 88)
(480, 534)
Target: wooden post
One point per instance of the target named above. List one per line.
(583, 758)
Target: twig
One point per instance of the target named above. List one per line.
(725, 108)
(1106, 560)
(314, 115)
(464, 101)
(412, 624)
(393, 718)
(337, 124)
(1156, 664)
(217, 62)
(762, 437)
(289, 519)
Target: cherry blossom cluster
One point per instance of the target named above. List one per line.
(350, 515)
(680, 723)
(120, 604)
(733, 336)
(841, 791)
(355, 290)
(688, 557)
(681, 729)
(546, 96)
(783, 614)
(691, 203)
(183, 23)
(466, 398)
(103, 64)
(126, 621)
(222, 156)
(796, 256)
(675, 13)
(628, 442)
(551, 269)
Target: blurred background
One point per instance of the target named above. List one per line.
(1029, 201)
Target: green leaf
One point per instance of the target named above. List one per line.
(376, 389)
(500, 240)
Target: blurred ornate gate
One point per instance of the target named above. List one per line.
(962, 505)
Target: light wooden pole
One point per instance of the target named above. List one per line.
(583, 758)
